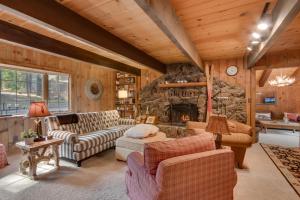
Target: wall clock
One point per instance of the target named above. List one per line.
(232, 70)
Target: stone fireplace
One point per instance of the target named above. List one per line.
(176, 105)
(182, 112)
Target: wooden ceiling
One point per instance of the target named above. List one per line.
(126, 20)
(220, 29)
(289, 39)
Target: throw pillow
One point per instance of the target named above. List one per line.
(141, 131)
(156, 152)
(292, 117)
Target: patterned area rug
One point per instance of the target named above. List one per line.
(287, 160)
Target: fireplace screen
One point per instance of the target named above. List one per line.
(181, 113)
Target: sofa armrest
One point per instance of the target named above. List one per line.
(240, 127)
(138, 178)
(68, 137)
(123, 121)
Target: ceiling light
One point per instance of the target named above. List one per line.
(282, 80)
(249, 48)
(263, 26)
(255, 42)
(256, 35)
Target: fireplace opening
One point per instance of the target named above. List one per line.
(181, 113)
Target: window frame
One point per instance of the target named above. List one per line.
(45, 86)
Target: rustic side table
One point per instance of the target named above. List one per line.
(37, 152)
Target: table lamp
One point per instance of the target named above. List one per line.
(217, 125)
(123, 94)
(38, 109)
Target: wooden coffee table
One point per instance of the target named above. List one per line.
(279, 124)
(37, 152)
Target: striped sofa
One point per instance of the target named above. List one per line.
(94, 132)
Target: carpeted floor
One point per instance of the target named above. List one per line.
(287, 160)
(102, 178)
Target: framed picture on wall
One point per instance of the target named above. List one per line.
(151, 120)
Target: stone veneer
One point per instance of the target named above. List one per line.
(158, 100)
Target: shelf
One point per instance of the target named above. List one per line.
(266, 104)
(177, 85)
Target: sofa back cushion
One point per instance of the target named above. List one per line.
(156, 152)
(110, 118)
(87, 122)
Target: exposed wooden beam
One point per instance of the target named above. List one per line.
(282, 59)
(55, 16)
(18, 35)
(283, 13)
(296, 75)
(264, 77)
(164, 16)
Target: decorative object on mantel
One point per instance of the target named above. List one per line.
(36, 110)
(93, 89)
(182, 84)
(282, 80)
(217, 125)
(151, 120)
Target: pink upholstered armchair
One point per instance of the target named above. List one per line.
(183, 169)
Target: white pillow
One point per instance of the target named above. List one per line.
(141, 131)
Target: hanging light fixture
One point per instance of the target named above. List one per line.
(282, 80)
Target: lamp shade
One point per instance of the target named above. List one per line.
(122, 94)
(38, 109)
(217, 124)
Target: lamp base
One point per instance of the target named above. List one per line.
(218, 141)
(37, 128)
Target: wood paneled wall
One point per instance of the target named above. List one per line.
(80, 72)
(147, 76)
(287, 99)
(242, 78)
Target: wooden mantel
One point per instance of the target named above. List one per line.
(181, 85)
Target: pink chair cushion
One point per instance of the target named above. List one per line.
(156, 152)
(292, 117)
(3, 158)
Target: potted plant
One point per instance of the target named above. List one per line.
(29, 136)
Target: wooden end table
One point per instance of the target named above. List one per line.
(37, 152)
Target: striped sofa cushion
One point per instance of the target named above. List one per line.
(89, 152)
(97, 138)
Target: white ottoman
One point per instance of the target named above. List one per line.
(126, 145)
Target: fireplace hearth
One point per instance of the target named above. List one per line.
(183, 112)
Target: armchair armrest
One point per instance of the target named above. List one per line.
(68, 137)
(123, 121)
(240, 127)
(212, 171)
(138, 178)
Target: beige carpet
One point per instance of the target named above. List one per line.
(101, 177)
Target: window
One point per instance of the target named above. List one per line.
(58, 85)
(18, 88)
